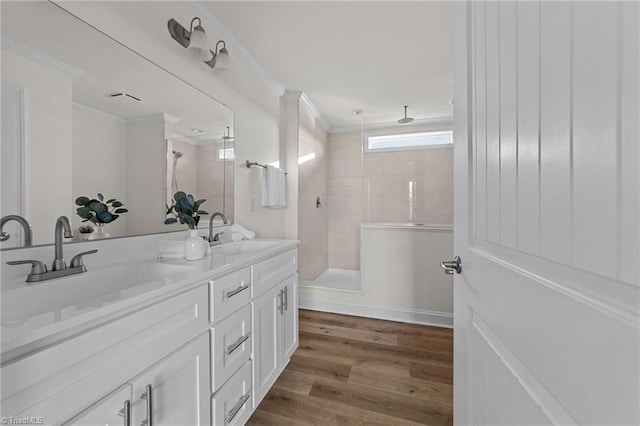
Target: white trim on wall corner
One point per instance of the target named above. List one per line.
(414, 316)
(41, 58)
(212, 21)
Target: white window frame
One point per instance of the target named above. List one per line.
(397, 131)
(224, 157)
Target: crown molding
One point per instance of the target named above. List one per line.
(197, 8)
(442, 121)
(41, 58)
(323, 123)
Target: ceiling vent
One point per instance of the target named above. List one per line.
(125, 96)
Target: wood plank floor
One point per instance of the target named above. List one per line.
(353, 370)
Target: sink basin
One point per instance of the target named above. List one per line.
(98, 286)
(241, 247)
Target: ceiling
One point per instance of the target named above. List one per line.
(373, 55)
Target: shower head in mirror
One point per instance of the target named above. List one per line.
(177, 154)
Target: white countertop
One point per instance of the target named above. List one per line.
(36, 315)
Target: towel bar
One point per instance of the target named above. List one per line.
(250, 164)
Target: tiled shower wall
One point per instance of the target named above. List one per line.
(312, 183)
(413, 186)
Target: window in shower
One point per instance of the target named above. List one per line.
(402, 141)
(225, 154)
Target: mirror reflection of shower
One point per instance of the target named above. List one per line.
(174, 180)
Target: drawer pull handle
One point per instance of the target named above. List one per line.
(286, 298)
(234, 411)
(126, 413)
(148, 395)
(237, 343)
(281, 307)
(235, 291)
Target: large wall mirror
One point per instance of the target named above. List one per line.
(84, 115)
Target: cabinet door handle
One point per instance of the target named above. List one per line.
(126, 413)
(235, 291)
(148, 395)
(286, 298)
(281, 302)
(236, 408)
(235, 345)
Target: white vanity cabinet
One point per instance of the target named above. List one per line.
(109, 411)
(204, 353)
(275, 328)
(175, 391)
(169, 393)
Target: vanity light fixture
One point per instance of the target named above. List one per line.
(195, 41)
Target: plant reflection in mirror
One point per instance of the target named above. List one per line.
(96, 210)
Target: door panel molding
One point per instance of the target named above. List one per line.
(560, 278)
(517, 382)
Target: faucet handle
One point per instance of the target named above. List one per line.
(217, 236)
(37, 267)
(76, 261)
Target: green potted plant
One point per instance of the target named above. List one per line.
(186, 210)
(99, 212)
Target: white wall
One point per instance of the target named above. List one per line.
(99, 139)
(143, 27)
(48, 136)
(146, 164)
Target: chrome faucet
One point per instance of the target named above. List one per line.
(59, 268)
(61, 224)
(4, 236)
(215, 238)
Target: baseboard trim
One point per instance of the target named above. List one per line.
(414, 316)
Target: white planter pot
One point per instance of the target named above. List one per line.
(194, 246)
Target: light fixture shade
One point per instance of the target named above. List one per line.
(223, 61)
(199, 44)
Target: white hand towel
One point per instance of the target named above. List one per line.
(273, 187)
(236, 236)
(237, 228)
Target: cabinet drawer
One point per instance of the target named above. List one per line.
(62, 379)
(228, 293)
(231, 405)
(230, 346)
(272, 271)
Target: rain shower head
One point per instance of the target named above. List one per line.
(177, 154)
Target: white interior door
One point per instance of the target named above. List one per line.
(12, 161)
(546, 213)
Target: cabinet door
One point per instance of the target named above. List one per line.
(289, 318)
(178, 388)
(109, 411)
(266, 342)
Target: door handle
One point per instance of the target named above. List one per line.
(286, 298)
(126, 413)
(148, 396)
(452, 265)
